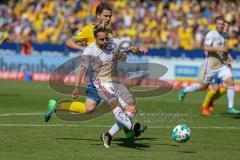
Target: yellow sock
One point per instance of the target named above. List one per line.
(220, 92)
(73, 107)
(78, 107)
(64, 105)
(208, 98)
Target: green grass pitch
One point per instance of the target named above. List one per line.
(25, 136)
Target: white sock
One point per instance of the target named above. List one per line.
(115, 128)
(230, 95)
(192, 88)
(122, 118)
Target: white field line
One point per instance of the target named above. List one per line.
(108, 126)
(141, 114)
(20, 114)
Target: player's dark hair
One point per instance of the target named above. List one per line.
(219, 18)
(228, 22)
(103, 6)
(100, 29)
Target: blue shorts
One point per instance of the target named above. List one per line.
(216, 80)
(92, 93)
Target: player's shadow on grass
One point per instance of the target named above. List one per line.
(234, 116)
(124, 142)
(170, 145)
(187, 152)
(237, 117)
(133, 143)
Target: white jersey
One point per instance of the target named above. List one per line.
(215, 60)
(103, 63)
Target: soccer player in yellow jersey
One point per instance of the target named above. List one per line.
(85, 36)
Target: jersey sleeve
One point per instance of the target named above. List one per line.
(81, 35)
(209, 38)
(116, 41)
(86, 58)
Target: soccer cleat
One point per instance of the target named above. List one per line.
(130, 134)
(181, 95)
(233, 111)
(106, 138)
(211, 107)
(143, 128)
(136, 129)
(52, 104)
(204, 111)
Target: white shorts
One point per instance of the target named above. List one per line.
(112, 91)
(222, 73)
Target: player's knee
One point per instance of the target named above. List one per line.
(203, 86)
(90, 106)
(229, 82)
(132, 109)
(89, 109)
(224, 85)
(215, 87)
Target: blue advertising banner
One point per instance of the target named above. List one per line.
(236, 73)
(187, 71)
(63, 50)
(30, 63)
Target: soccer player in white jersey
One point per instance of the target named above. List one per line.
(103, 64)
(215, 65)
(218, 88)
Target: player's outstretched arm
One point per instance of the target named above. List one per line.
(229, 60)
(73, 45)
(209, 48)
(137, 49)
(122, 57)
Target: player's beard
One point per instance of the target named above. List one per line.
(102, 46)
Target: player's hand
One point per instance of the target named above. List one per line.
(143, 49)
(229, 61)
(122, 57)
(229, 65)
(75, 92)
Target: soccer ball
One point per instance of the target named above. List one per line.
(181, 133)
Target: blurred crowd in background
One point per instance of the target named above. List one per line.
(167, 23)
